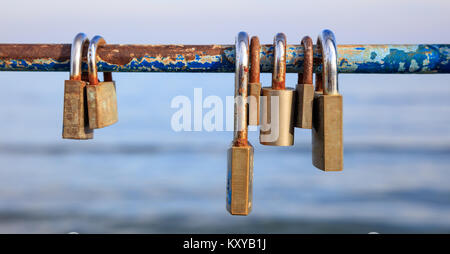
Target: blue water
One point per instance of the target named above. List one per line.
(139, 176)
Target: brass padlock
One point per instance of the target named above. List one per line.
(240, 154)
(254, 86)
(277, 102)
(75, 121)
(101, 96)
(305, 88)
(327, 138)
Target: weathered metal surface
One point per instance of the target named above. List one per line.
(305, 88)
(254, 85)
(102, 104)
(101, 96)
(419, 58)
(255, 49)
(240, 179)
(306, 76)
(75, 121)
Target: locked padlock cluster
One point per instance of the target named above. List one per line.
(88, 103)
(319, 109)
(282, 109)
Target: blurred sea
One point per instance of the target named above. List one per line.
(139, 176)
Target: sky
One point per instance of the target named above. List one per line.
(217, 22)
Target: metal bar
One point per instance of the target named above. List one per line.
(419, 58)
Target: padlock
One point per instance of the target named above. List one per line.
(327, 138)
(254, 86)
(75, 121)
(240, 154)
(277, 102)
(305, 88)
(101, 96)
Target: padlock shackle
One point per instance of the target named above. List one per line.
(92, 60)
(255, 63)
(279, 62)
(326, 43)
(240, 90)
(76, 53)
(318, 87)
(306, 77)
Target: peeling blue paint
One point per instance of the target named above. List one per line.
(425, 59)
(343, 62)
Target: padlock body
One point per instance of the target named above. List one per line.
(75, 120)
(304, 105)
(240, 180)
(254, 93)
(327, 137)
(102, 104)
(277, 117)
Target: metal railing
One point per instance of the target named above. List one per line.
(381, 58)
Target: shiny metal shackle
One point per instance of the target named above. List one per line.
(326, 43)
(279, 62)
(240, 87)
(92, 60)
(76, 52)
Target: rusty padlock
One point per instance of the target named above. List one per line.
(254, 86)
(277, 102)
(327, 138)
(305, 88)
(101, 96)
(240, 154)
(75, 121)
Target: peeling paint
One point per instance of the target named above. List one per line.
(401, 67)
(413, 66)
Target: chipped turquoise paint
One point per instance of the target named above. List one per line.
(416, 59)
(422, 58)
